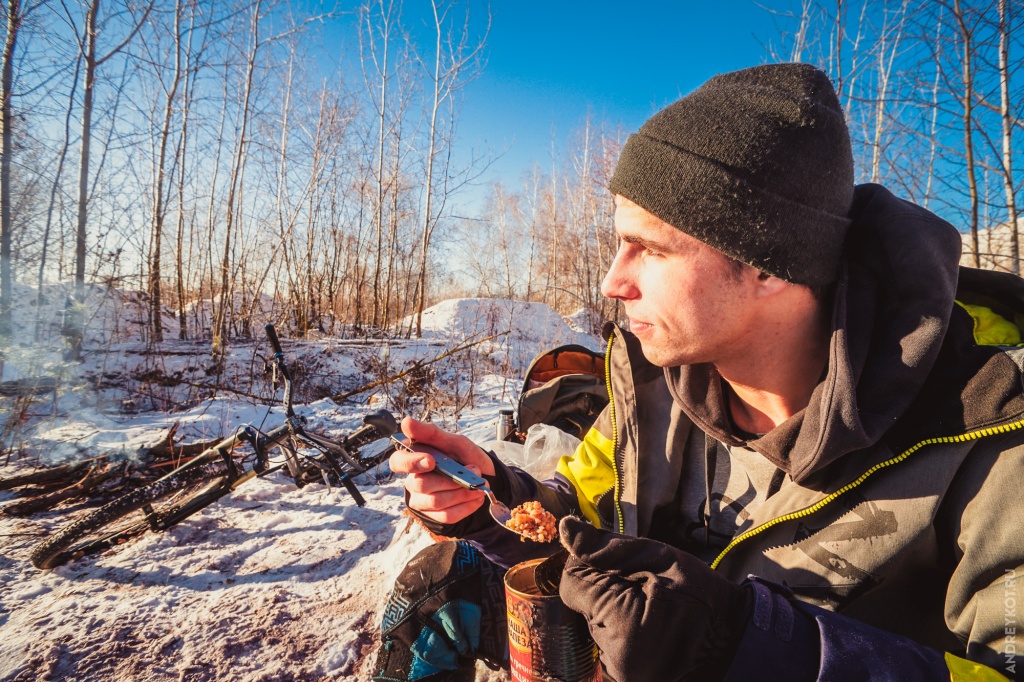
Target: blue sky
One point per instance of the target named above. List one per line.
(550, 63)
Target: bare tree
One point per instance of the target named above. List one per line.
(87, 39)
(453, 59)
(535, 201)
(888, 49)
(14, 19)
(933, 143)
(1007, 121)
(929, 89)
(15, 14)
(231, 268)
(376, 41)
(192, 64)
(55, 185)
(159, 210)
(220, 310)
(385, 49)
(966, 37)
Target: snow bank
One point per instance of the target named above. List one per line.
(528, 327)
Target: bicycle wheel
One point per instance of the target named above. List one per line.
(116, 521)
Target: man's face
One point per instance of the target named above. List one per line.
(686, 302)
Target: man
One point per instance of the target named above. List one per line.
(812, 462)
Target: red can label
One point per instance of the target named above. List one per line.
(520, 652)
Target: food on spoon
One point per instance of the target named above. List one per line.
(531, 521)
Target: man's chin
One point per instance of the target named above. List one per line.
(656, 355)
(663, 355)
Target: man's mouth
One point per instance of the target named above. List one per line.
(638, 327)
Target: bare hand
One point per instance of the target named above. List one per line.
(433, 495)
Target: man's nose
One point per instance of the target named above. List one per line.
(619, 282)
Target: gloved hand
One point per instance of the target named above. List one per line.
(656, 612)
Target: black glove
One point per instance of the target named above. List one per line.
(656, 612)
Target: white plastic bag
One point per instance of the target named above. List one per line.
(539, 456)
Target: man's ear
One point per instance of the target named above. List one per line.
(770, 285)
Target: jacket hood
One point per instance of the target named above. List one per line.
(891, 314)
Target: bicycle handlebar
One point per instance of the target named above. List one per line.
(275, 343)
(381, 422)
(282, 367)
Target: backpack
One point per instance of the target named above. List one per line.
(564, 387)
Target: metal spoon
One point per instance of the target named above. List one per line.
(448, 467)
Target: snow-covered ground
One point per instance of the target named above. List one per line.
(272, 582)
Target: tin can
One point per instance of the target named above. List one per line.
(546, 639)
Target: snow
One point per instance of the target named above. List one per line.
(272, 582)
(530, 327)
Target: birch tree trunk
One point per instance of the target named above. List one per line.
(428, 216)
(211, 214)
(886, 57)
(14, 19)
(445, 80)
(186, 108)
(1007, 122)
(89, 53)
(87, 46)
(933, 143)
(61, 157)
(285, 224)
(159, 209)
(238, 162)
(967, 65)
(381, 105)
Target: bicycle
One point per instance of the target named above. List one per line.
(217, 471)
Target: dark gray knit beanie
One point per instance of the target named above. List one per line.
(755, 163)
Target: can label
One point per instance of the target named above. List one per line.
(518, 634)
(520, 645)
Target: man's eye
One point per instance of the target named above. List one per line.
(638, 247)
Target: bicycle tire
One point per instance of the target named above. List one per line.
(114, 522)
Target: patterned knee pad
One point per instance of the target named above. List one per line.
(447, 609)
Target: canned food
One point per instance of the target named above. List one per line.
(547, 640)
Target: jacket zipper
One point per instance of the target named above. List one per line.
(615, 431)
(807, 511)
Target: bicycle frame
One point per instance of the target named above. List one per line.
(285, 435)
(237, 473)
